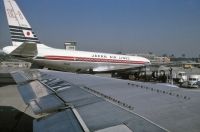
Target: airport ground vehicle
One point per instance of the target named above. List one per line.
(180, 77)
(194, 81)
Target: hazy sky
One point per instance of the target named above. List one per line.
(130, 26)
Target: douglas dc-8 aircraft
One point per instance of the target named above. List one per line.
(26, 44)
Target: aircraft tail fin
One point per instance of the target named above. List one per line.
(20, 29)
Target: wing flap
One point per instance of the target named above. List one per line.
(58, 122)
(46, 104)
(28, 85)
(32, 90)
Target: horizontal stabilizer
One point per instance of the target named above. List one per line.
(25, 50)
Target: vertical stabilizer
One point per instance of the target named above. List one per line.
(20, 29)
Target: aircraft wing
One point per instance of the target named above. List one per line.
(81, 102)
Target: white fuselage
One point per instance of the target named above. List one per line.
(67, 60)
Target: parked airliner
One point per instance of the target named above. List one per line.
(26, 44)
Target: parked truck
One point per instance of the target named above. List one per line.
(194, 81)
(180, 77)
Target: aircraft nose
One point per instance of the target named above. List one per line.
(147, 61)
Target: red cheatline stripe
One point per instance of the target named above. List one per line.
(85, 59)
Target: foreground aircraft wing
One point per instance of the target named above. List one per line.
(81, 102)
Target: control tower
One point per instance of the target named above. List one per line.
(70, 45)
